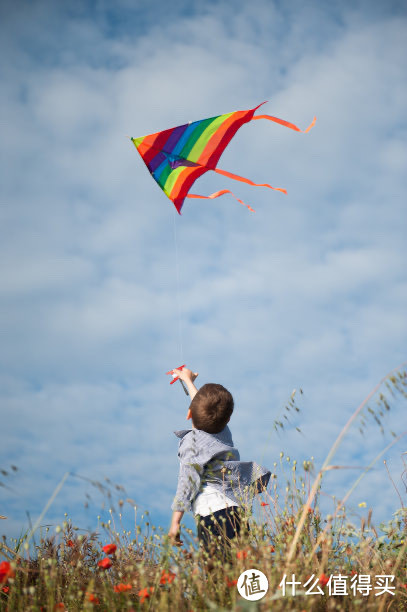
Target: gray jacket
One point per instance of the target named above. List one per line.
(212, 459)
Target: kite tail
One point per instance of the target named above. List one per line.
(286, 123)
(236, 177)
(216, 195)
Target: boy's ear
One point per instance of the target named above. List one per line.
(189, 414)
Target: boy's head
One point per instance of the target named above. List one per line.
(211, 408)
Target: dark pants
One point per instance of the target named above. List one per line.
(225, 523)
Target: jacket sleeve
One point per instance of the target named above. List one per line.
(189, 479)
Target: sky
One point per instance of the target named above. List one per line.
(104, 287)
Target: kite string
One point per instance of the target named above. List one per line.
(178, 292)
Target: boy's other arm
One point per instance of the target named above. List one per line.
(174, 532)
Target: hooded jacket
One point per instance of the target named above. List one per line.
(211, 459)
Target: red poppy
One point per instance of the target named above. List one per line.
(109, 549)
(231, 583)
(167, 577)
(92, 598)
(241, 554)
(122, 588)
(353, 573)
(105, 563)
(404, 585)
(6, 571)
(59, 606)
(310, 511)
(145, 593)
(70, 543)
(264, 504)
(323, 580)
(6, 589)
(272, 549)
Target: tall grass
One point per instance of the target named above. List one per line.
(140, 570)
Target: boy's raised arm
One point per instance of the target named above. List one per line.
(188, 377)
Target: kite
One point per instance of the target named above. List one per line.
(177, 157)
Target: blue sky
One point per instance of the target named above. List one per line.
(310, 291)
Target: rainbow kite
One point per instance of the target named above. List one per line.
(178, 156)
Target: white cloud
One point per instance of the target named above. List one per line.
(310, 291)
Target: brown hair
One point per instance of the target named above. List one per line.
(211, 408)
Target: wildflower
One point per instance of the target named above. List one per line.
(362, 505)
(122, 588)
(145, 593)
(241, 554)
(105, 563)
(70, 544)
(231, 583)
(323, 580)
(353, 573)
(59, 606)
(167, 577)
(109, 549)
(92, 598)
(6, 589)
(310, 511)
(264, 504)
(6, 571)
(272, 549)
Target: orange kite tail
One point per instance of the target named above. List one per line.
(216, 195)
(286, 123)
(236, 177)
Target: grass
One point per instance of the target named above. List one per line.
(140, 570)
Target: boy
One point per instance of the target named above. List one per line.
(212, 480)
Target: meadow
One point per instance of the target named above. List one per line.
(313, 562)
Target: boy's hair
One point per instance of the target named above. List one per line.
(211, 408)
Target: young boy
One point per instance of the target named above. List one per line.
(212, 480)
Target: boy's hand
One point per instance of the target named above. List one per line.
(174, 531)
(174, 535)
(186, 375)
